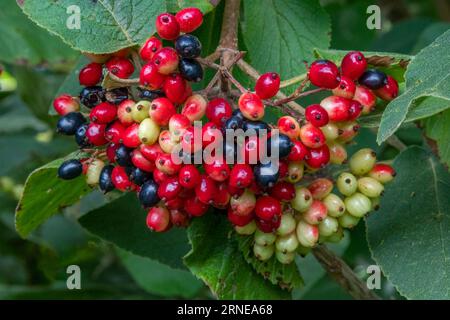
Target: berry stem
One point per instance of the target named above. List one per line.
(298, 94)
(136, 60)
(126, 82)
(233, 80)
(294, 80)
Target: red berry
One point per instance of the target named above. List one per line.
(120, 179)
(298, 152)
(175, 203)
(161, 110)
(166, 60)
(191, 141)
(150, 47)
(348, 130)
(111, 152)
(174, 88)
(345, 89)
(382, 172)
(316, 213)
(218, 111)
(241, 176)
(367, 99)
(167, 26)
(169, 189)
(283, 167)
(124, 112)
(160, 176)
(178, 218)
(289, 126)
(165, 163)
(139, 161)
(189, 176)
(353, 65)
(389, 91)
(311, 136)
(195, 207)
(267, 85)
(222, 196)
(65, 104)
(284, 191)
(268, 226)
(239, 220)
(320, 188)
(355, 109)
(217, 169)
(250, 150)
(120, 67)
(150, 152)
(336, 107)
(165, 141)
(318, 157)
(91, 74)
(317, 115)
(158, 219)
(235, 191)
(131, 136)
(189, 19)
(150, 77)
(103, 113)
(324, 74)
(114, 132)
(268, 208)
(210, 133)
(251, 106)
(95, 133)
(206, 189)
(194, 108)
(178, 124)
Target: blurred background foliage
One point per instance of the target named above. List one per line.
(37, 63)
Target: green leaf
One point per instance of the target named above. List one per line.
(16, 117)
(45, 195)
(105, 25)
(409, 236)
(122, 222)
(24, 43)
(216, 259)
(286, 276)
(281, 34)
(160, 279)
(430, 33)
(427, 75)
(175, 5)
(438, 129)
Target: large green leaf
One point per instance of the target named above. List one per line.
(106, 25)
(216, 259)
(25, 43)
(175, 5)
(281, 34)
(427, 75)
(122, 222)
(45, 195)
(438, 129)
(410, 235)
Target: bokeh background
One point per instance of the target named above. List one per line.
(36, 268)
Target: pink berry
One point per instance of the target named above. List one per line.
(311, 136)
(194, 107)
(166, 60)
(65, 104)
(336, 107)
(251, 106)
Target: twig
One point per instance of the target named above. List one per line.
(126, 82)
(208, 63)
(136, 59)
(233, 80)
(343, 274)
(297, 94)
(294, 80)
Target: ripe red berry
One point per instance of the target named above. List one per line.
(318, 157)
(158, 219)
(311, 136)
(251, 106)
(195, 207)
(131, 136)
(353, 65)
(241, 176)
(289, 126)
(222, 196)
(139, 161)
(169, 189)
(174, 88)
(217, 169)
(120, 67)
(317, 115)
(167, 26)
(124, 112)
(176, 203)
(65, 104)
(298, 152)
(355, 109)
(178, 124)
(336, 107)
(189, 176)
(283, 166)
(91, 74)
(194, 107)
(166, 164)
(268, 226)
(316, 213)
(166, 60)
(178, 218)
(114, 132)
(268, 208)
(111, 151)
(382, 172)
(324, 74)
(150, 47)
(95, 133)
(346, 88)
(320, 188)
(366, 98)
(267, 85)
(161, 110)
(189, 19)
(150, 152)
(103, 113)
(206, 189)
(218, 111)
(120, 179)
(389, 91)
(210, 133)
(284, 191)
(160, 176)
(190, 141)
(150, 77)
(250, 150)
(239, 220)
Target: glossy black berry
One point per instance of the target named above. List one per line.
(70, 169)
(283, 142)
(188, 46)
(237, 113)
(373, 79)
(69, 123)
(233, 123)
(150, 95)
(80, 136)
(139, 176)
(123, 156)
(148, 196)
(117, 95)
(92, 96)
(190, 70)
(266, 175)
(105, 181)
(257, 126)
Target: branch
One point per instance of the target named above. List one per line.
(343, 274)
(126, 82)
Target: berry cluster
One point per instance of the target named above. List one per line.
(151, 145)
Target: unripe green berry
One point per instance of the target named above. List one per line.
(348, 221)
(316, 213)
(139, 111)
(6, 184)
(370, 187)
(148, 131)
(375, 203)
(358, 205)
(320, 188)
(347, 184)
(93, 172)
(302, 200)
(338, 153)
(264, 239)
(328, 226)
(17, 191)
(335, 205)
(287, 243)
(303, 251)
(307, 234)
(246, 230)
(295, 171)
(285, 257)
(362, 161)
(337, 236)
(263, 253)
(287, 224)
(330, 131)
